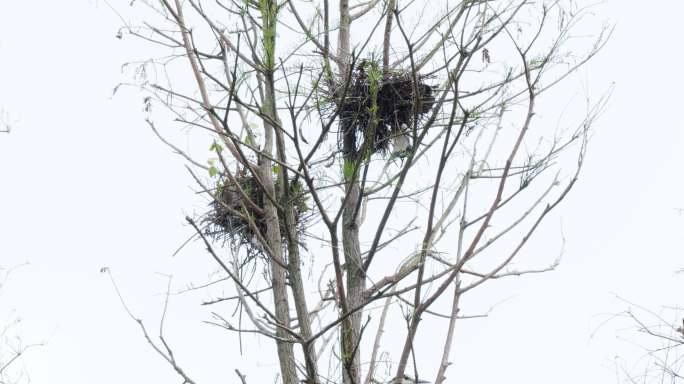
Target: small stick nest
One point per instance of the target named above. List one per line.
(230, 214)
(379, 108)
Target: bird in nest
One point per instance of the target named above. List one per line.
(401, 143)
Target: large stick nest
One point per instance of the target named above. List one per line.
(378, 108)
(230, 213)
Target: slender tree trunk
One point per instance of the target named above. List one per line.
(355, 284)
(391, 4)
(441, 373)
(294, 264)
(273, 235)
(300, 301)
(344, 39)
(351, 352)
(282, 308)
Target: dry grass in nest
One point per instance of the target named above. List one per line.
(379, 107)
(229, 217)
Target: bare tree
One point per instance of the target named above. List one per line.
(12, 346)
(658, 337)
(394, 145)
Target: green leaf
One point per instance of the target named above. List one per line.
(213, 171)
(275, 169)
(216, 147)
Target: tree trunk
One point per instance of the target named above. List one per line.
(351, 352)
(282, 308)
(355, 285)
(286, 355)
(294, 263)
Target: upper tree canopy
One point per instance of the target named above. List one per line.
(365, 188)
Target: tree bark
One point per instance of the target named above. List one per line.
(355, 284)
(286, 355)
(294, 264)
(343, 38)
(280, 301)
(351, 352)
(391, 4)
(444, 364)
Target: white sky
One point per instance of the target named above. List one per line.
(85, 184)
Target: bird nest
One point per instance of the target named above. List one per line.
(240, 222)
(378, 109)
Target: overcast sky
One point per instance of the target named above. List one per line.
(85, 184)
